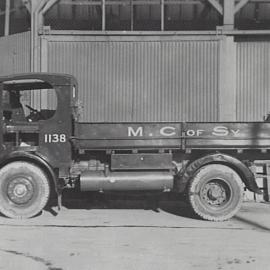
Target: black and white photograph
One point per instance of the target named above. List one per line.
(134, 134)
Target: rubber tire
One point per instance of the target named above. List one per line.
(41, 190)
(232, 180)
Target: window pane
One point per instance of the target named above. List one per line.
(191, 17)
(2, 17)
(29, 105)
(253, 16)
(147, 17)
(72, 15)
(2, 24)
(118, 17)
(20, 20)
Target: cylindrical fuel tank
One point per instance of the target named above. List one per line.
(98, 181)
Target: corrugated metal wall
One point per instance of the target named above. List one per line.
(142, 81)
(151, 80)
(133, 80)
(253, 80)
(15, 54)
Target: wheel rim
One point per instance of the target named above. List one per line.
(20, 190)
(216, 193)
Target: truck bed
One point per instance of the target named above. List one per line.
(182, 136)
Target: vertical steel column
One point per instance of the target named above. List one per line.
(35, 9)
(103, 8)
(38, 9)
(162, 15)
(228, 14)
(7, 17)
(44, 95)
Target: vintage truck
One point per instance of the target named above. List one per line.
(45, 150)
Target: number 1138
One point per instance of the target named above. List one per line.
(55, 138)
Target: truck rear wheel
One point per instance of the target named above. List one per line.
(24, 190)
(215, 192)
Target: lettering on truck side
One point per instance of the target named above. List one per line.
(169, 131)
(218, 131)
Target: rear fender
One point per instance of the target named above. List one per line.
(244, 172)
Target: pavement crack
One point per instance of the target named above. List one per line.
(35, 258)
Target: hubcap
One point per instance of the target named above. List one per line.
(215, 193)
(20, 190)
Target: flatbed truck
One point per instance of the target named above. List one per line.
(44, 151)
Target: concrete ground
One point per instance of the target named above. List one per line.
(129, 235)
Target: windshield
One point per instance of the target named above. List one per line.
(28, 100)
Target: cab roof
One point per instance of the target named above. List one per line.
(40, 80)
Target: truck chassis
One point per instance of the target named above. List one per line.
(48, 149)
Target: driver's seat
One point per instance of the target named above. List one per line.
(18, 114)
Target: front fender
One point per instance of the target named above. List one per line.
(244, 172)
(31, 157)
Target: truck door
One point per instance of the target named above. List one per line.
(38, 116)
(55, 132)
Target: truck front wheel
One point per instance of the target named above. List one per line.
(24, 190)
(215, 192)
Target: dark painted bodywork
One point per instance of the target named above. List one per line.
(219, 135)
(58, 154)
(125, 146)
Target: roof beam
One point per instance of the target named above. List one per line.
(27, 4)
(48, 5)
(217, 5)
(240, 5)
(205, 11)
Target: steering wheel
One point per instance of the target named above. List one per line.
(31, 109)
(35, 115)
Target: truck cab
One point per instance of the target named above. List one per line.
(36, 126)
(45, 129)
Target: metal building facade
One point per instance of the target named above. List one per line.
(15, 54)
(151, 78)
(140, 78)
(253, 80)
